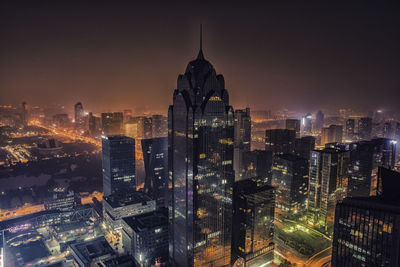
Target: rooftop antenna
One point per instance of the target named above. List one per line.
(201, 37)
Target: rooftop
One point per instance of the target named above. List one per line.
(89, 251)
(146, 221)
(135, 197)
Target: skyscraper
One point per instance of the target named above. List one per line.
(290, 178)
(119, 164)
(293, 124)
(159, 126)
(242, 139)
(350, 124)
(280, 141)
(257, 165)
(319, 121)
(24, 114)
(365, 128)
(201, 137)
(367, 229)
(304, 146)
(332, 134)
(155, 157)
(79, 115)
(253, 223)
(306, 123)
(328, 178)
(112, 123)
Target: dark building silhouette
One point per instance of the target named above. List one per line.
(201, 142)
(366, 157)
(253, 223)
(349, 131)
(119, 164)
(112, 123)
(319, 121)
(365, 128)
(24, 114)
(304, 146)
(280, 141)
(79, 115)
(257, 165)
(155, 157)
(293, 124)
(367, 229)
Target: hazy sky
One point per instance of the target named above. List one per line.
(121, 54)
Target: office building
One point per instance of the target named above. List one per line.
(91, 253)
(159, 126)
(319, 121)
(79, 115)
(367, 229)
(112, 123)
(257, 164)
(290, 178)
(306, 124)
(118, 206)
(328, 179)
(242, 139)
(145, 237)
(280, 141)
(304, 146)
(350, 126)
(293, 124)
(332, 134)
(119, 164)
(155, 157)
(253, 224)
(365, 128)
(201, 137)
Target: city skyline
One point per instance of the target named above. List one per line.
(320, 56)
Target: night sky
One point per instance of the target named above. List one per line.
(121, 54)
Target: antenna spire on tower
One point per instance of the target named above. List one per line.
(201, 37)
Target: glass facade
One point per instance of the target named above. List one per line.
(119, 164)
(155, 157)
(201, 141)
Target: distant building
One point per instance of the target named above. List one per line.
(112, 123)
(257, 164)
(332, 134)
(116, 207)
(144, 127)
(253, 223)
(24, 114)
(280, 141)
(94, 124)
(349, 131)
(319, 121)
(290, 178)
(61, 120)
(119, 164)
(91, 253)
(155, 157)
(145, 237)
(293, 124)
(159, 126)
(306, 123)
(367, 229)
(304, 146)
(79, 115)
(365, 128)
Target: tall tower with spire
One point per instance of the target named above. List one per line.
(201, 176)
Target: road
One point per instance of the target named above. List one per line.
(321, 258)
